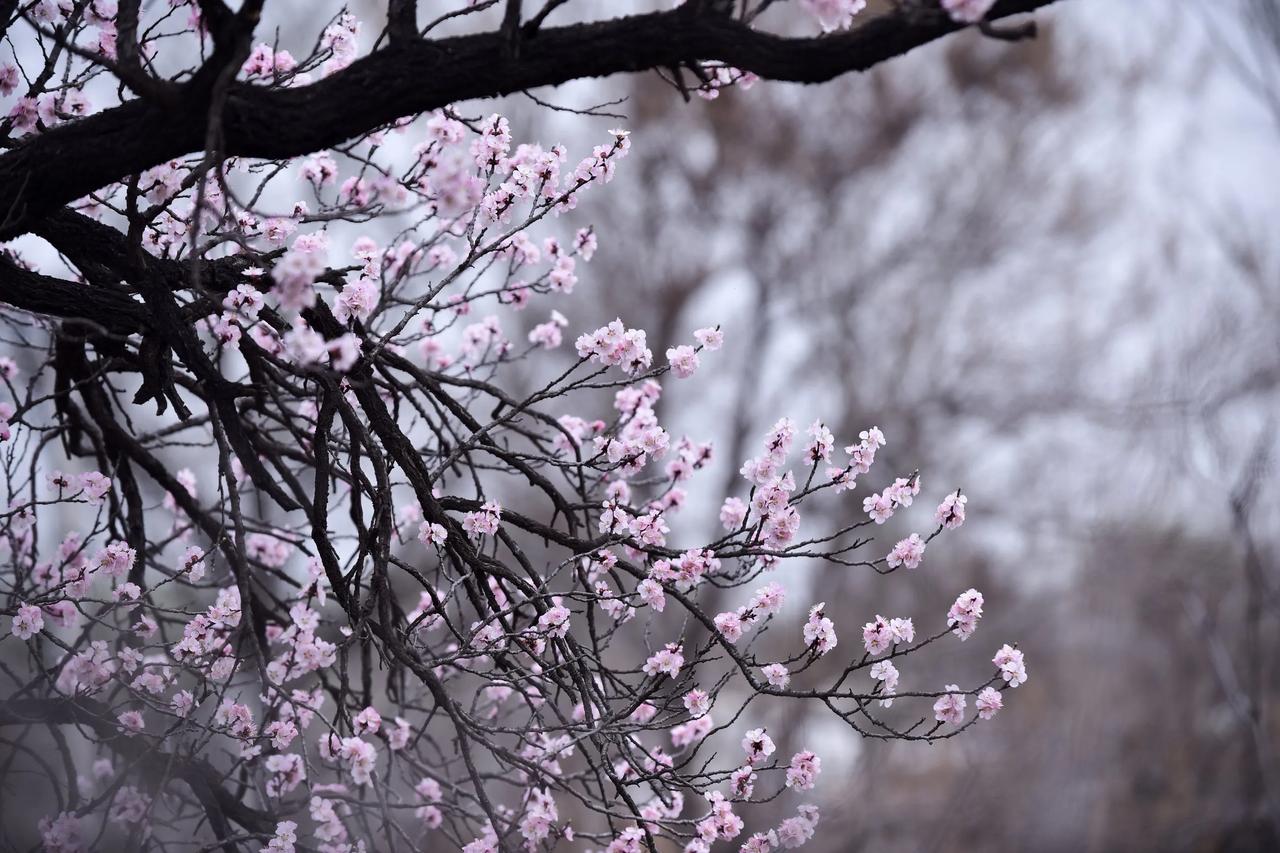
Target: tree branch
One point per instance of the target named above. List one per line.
(53, 297)
(35, 177)
(402, 21)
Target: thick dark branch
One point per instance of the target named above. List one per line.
(37, 177)
(511, 24)
(402, 21)
(53, 297)
(219, 20)
(98, 248)
(128, 56)
(8, 10)
(535, 23)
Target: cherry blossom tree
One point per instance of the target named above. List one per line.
(288, 565)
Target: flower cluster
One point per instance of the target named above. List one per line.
(964, 614)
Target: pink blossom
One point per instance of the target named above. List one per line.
(616, 345)
(182, 703)
(780, 527)
(126, 592)
(115, 560)
(28, 622)
(281, 732)
(398, 737)
(484, 522)
(950, 707)
(1012, 667)
(819, 631)
(729, 624)
(9, 79)
(697, 702)
(96, 486)
(833, 14)
(540, 815)
(287, 772)
(277, 229)
(344, 351)
(130, 806)
(900, 494)
(284, 838)
(742, 782)
(192, 564)
(227, 330)
(546, 335)
(879, 507)
(320, 170)
(493, 143)
(908, 552)
(757, 745)
(63, 614)
(585, 243)
(710, 338)
(950, 512)
(294, 276)
(665, 661)
(803, 771)
(821, 443)
(365, 248)
(759, 470)
(989, 702)
(131, 722)
(429, 790)
(649, 529)
(356, 301)
(555, 622)
(795, 831)
(60, 481)
(367, 721)
(964, 613)
(644, 712)
(62, 834)
(733, 513)
(861, 457)
(777, 675)
(887, 674)
(777, 443)
(236, 719)
(684, 361)
(432, 533)
(562, 278)
(24, 115)
(269, 548)
(877, 636)
(261, 61)
(360, 757)
(652, 594)
(767, 600)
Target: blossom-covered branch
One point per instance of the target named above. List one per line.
(297, 518)
(423, 74)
